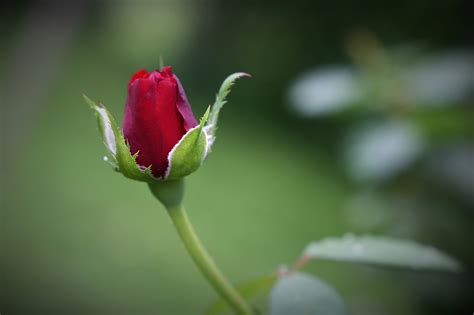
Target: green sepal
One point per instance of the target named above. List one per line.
(189, 153)
(220, 101)
(119, 150)
(105, 127)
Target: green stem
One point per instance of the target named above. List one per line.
(204, 261)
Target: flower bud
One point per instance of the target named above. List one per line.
(157, 116)
(161, 138)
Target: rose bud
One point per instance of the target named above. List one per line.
(161, 138)
(157, 116)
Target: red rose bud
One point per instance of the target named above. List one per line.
(161, 138)
(157, 116)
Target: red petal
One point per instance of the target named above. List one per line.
(152, 122)
(184, 107)
(140, 74)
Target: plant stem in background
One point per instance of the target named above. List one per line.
(204, 261)
(171, 193)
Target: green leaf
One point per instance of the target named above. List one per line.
(302, 294)
(189, 153)
(221, 100)
(249, 290)
(116, 144)
(381, 251)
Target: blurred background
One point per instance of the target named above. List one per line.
(359, 118)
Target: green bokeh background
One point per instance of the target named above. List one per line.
(79, 238)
